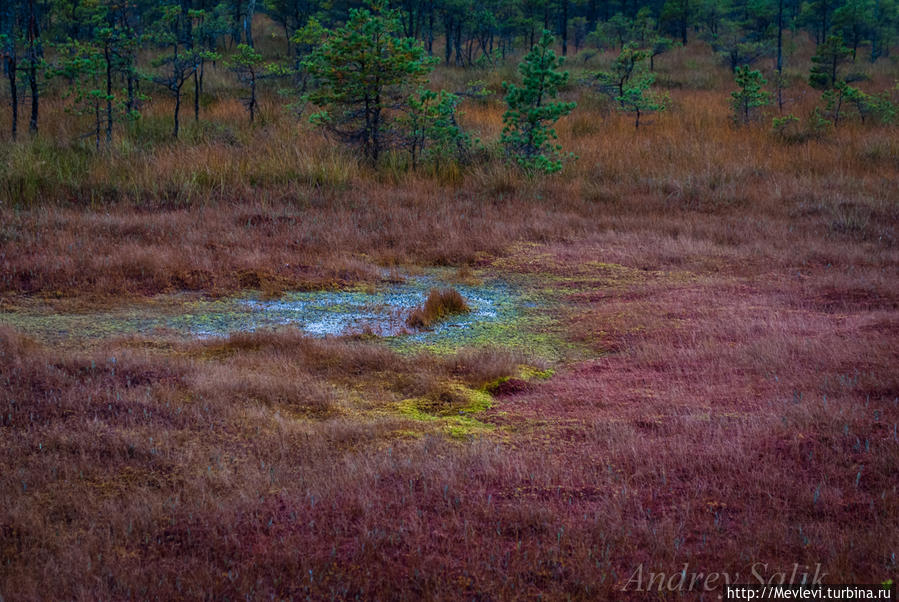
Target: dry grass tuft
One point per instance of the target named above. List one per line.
(440, 304)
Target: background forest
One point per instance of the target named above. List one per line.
(115, 65)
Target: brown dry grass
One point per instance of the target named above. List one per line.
(277, 205)
(440, 304)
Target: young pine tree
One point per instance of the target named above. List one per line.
(430, 130)
(365, 72)
(528, 135)
(750, 96)
(82, 64)
(639, 99)
(247, 65)
(628, 64)
(173, 30)
(826, 63)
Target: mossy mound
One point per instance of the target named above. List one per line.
(452, 404)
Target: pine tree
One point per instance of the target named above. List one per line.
(855, 22)
(676, 15)
(627, 64)
(751, 95)
(247, 65)
(365, 72)
(637, 98)
(82, 64)
(528, 134)
(659, 45)
(826, 63)
(173, 30)
(431, 131)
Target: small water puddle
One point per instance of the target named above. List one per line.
(498, 312)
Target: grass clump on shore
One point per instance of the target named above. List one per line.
(440, 304)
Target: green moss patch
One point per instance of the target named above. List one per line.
(452, 407)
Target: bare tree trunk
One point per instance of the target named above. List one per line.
(177, 111)
(780, 30)
(32, 67)
(96, 126)
(248, 22)
(430, 29)
(196, 94)
(202, 73)
(448, 31)
(252, 99)
(13, 92)
(130, 101)
(35, 97)
(108, 95)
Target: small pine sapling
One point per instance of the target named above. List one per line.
(82, 64)
(638, 99)
(528, 136)
(750, 97)
(248, 66)
(824, 74)
(628, 64)
(431, 131)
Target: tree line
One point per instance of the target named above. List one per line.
(111, 53)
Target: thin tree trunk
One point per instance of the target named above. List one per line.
(13, 93)
(108, 94)
(35, 97)
(252, 98)
(448, 31)
(32, 67)
(780, 30)
(96, 126)
(130, 101)
(248, 22)
(196, 95)
(177, 111)
(431, 29)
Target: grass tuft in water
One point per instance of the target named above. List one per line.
(440, 304)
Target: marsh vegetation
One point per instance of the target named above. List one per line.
(223, 373)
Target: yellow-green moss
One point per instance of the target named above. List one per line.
(533, 373)
(456, 419)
